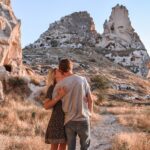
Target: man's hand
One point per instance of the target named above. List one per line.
(95, 117)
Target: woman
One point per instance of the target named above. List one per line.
(55, 134)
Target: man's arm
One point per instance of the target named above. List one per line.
(89, 96)
(90, 102)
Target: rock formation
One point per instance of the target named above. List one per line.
(124, 85)
(119, 42)
(6, 2)
(3, 78)
(75, 31)
(10, 46)
(1, 92)
(122, 44)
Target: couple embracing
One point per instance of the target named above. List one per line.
(70, 96)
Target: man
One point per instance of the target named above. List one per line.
(77, 105)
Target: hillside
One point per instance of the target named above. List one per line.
(123, 84)
(119, 42)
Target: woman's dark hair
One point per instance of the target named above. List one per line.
(65, 65)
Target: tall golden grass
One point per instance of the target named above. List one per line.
(131, 141)
(22, 143)
(22, 125)
(136, 117)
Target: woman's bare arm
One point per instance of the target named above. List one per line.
(49, 103)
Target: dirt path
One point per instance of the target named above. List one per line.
(103, 131)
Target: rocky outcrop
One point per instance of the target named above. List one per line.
(3, 73)
(6, 2)
(121, 44)
(10, 46)
(123, 84)
(75, 31)
(1, 92)
(118, 33)
(3, 78)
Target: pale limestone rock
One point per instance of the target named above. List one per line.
(1, 92)
(3, 78)
(73, 31)
(6, 2)
(121, 44)
(10, 47)
(118, 32)
(3, 73)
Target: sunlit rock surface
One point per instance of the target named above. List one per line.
(121, 44)
(73, 31)
(10, 46)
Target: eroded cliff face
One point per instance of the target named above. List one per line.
(118, 33)
(6, 2)
(10, 45)
(121, 44)
(73, 31)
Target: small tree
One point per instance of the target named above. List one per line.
(17, 85)
(100, 83)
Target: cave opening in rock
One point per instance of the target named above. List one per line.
(8, 68)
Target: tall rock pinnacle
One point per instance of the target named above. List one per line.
(122, 44)
(10, 45)
(119, 42)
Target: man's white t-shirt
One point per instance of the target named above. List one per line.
(74, 103)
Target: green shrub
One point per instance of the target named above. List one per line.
(100, 82)
(16, 82)
(17, 85)
(33, 114)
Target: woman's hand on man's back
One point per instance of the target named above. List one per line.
(61, 92)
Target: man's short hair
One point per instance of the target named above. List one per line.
(65, 65)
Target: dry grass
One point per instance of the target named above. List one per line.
(95, 118)
(131, 141)
(117, 110)
(138, 121)
(22, 143)
(23, 125)
(136, 117)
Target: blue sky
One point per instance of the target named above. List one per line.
(37, 15)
